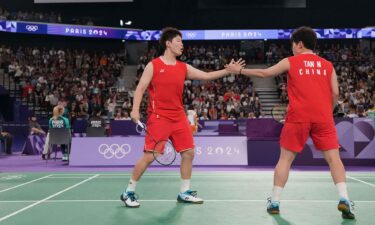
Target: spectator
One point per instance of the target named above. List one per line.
(7, 139)
(352, 111)
(57, 121)
(34, 126)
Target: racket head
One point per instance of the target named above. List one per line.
(140, 127)
(279, 112)
(164, 152)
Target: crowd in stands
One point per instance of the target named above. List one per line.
(50, 17)
(356, 84)
(80, 80)
(45, 17)
(86, 81)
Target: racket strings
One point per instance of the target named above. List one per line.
(163, 151)
(165, 154)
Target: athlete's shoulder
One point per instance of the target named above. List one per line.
(181, 64)
(292, 59)
(155, 61)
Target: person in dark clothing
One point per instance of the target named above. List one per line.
(7, 139)
(34, 126)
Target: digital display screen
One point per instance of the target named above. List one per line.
(84, 31)
(32, 28)
(190, 35)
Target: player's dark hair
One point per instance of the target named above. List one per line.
(168, 34)
(305, 34)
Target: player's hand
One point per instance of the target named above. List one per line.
(235, 66)
(135, 116)
(240, 62)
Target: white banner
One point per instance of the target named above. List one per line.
(109, 151)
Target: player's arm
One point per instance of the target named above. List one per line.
(197, 122)
(280, 68)
(334, 89)
(140, 90)
(195, 74)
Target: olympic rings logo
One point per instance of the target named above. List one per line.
(191, 34)
(32, 28)
(114, 150)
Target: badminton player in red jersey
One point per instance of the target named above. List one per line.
(313, 93)
(164, 79)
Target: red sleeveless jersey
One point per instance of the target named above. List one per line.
(166, 88)
(309, 89)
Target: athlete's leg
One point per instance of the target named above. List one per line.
(129, 196)
(141, 165)
(186, 167)
(335, 165)
(280, 178)
(283, 166)
(339, 178)
(182, 139)
(186, 195)
(292, 139)
(325, 139)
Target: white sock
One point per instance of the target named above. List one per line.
(343, 192)
(185, 185)
(131, 185)
(276, 192)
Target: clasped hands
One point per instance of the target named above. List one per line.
(235, 67)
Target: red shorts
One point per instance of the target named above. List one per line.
(163, 129)
(294, 136)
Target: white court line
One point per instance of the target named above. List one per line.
(174, 200)
(29, 182)
(205, 175)
(359, 180)
(68, 177)
(247, 177)
(47, 198)
(216, 173)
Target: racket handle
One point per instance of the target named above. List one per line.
(141, 124)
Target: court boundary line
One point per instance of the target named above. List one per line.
(124, 177)
(23, 184)
(362, 181)
(176, 173)
(47, 198)
(174, 200)
(327, 174)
